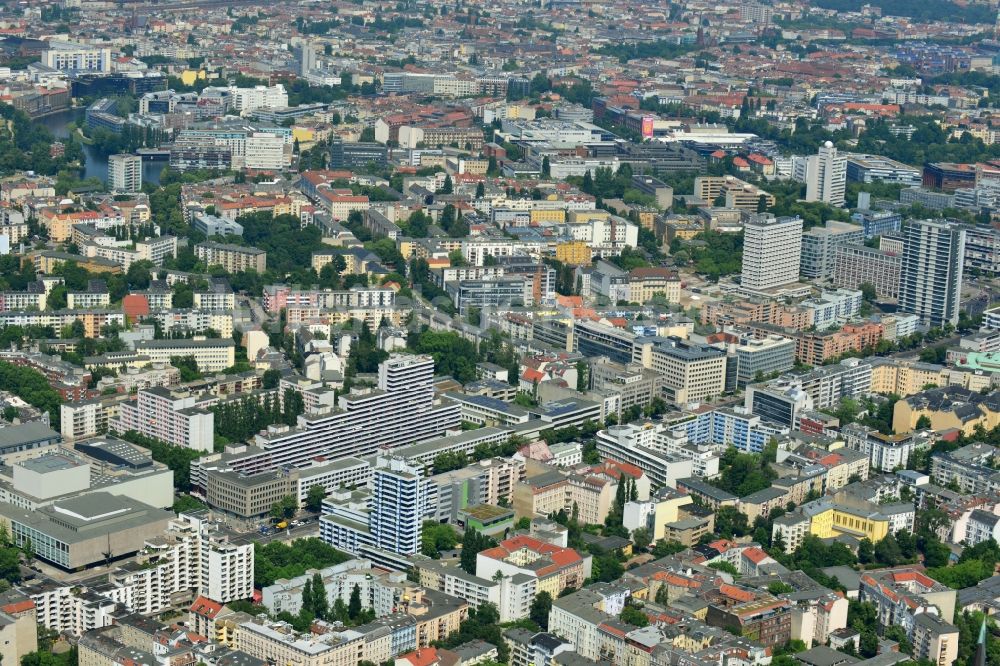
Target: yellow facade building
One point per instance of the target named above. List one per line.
(574, 253)
(904, 378)
(556, 216)
(585, 216)
(833, 520)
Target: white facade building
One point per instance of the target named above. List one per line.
(826, 176)
(125, 173)
(248, 100)
(771, 252)
(172, 417)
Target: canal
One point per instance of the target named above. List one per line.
(97, 164)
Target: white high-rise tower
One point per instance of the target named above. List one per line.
(826, 176)
(772, 249)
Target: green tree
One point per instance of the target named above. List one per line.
(284, 508)
(314, 499)
(634, 616)
(320, 601)
(641, 538)
(184, 503)
(473, 541)
(271, 378)
(354, 604)
(541, 606)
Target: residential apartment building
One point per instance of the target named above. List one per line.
(278, 642)
(193, 556)
(211, 354)
(399, 502)
(554, 568)
(931, 273)
(234, 258)
(858, 264)
(908, 598)
(826, 176)
(556, 491)
(125, 173)
(738, 193)
(169, 416)
(641, 447)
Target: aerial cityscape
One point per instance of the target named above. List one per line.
(523, 333)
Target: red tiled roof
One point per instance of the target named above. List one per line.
(206, 607)
(422, 657)
(18, 606)
(755, 555)
(734, 592)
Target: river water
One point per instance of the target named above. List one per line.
(97, 164)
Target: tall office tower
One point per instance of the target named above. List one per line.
(930, 281)
(307, 59)
(826, 176)
(772, 249)
(125, 173)
(399, 500)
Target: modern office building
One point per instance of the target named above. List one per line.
(125, 173)
(354, 155)
(820, 245)
(948, 176)
(501, 291)
(930, 284)
(593, 339)
(759, 357)
(691, 372)
(826, 176)
(780, 403)
(876, 168)
(878, 222)
(663, 193)
(772, 251)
